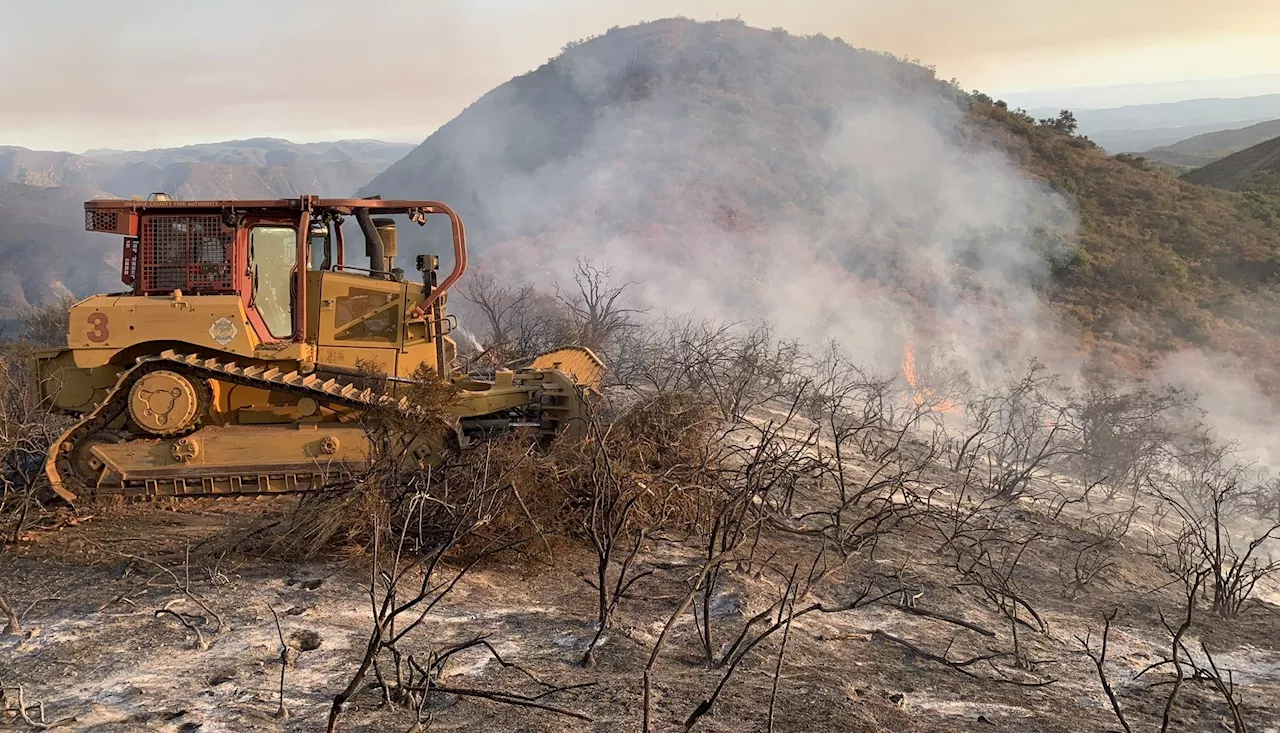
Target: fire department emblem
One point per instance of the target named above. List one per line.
(223, 331)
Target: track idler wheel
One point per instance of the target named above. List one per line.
(86, 466)
(166, 403)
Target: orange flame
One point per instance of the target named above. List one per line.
(909, 365)
(922, 395)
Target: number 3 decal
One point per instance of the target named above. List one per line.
(99, 332)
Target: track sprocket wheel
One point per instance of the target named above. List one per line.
(165, 403)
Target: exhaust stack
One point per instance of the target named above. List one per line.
(372, 244)
(387, 233)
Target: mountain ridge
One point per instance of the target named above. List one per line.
(836, 191)
(1201, 150)
(251, 168)
(1253, 165)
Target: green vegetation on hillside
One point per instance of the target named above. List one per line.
(1242, 169)
(1161, 263)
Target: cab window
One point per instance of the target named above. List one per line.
(273, 253)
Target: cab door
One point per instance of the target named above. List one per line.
(360, 320)
(273, 260)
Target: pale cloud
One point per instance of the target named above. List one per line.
(79, 74)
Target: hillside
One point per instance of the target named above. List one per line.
(1204, 149)
(1240, 169)
(844, 193)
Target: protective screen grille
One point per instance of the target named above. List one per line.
(188, 252)
(101, 221)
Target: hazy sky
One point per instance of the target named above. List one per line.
(77, 74)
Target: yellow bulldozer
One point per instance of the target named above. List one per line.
(239, 359)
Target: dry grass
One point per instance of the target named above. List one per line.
(657, 449)
(656, 453)
(347, 520)
(27, 430)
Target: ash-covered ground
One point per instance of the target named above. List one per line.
(100, 650)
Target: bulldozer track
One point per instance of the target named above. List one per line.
(329, 392)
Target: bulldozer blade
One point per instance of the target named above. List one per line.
(580, 363)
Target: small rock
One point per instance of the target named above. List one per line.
(223, 676)
(305, 640)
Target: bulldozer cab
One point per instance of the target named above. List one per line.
(285, 262)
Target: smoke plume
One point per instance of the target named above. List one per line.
(838, 194)
(877, 217)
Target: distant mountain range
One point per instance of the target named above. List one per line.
(256, 168)
(44, 250)
(1137, 128)
(1119, 95)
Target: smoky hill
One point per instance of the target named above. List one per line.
(758, 174)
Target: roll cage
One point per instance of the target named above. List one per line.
(206, 246)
